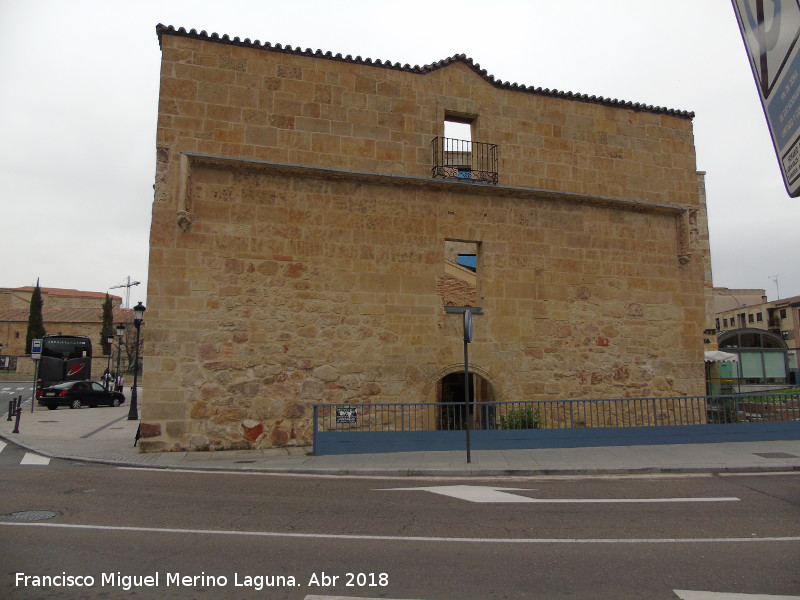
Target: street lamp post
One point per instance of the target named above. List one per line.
(138, 319)
(735, 299)
(120, 333)
(110, 344)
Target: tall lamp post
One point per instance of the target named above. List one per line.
(107, 375)
(138, 319)
(738, 306)
(120, 333)
(735, 299)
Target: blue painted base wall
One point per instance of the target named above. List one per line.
(367, 442)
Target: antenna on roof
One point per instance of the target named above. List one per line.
(128, 287)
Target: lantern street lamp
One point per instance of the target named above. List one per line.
(138, 319)
(107, 375)
(120, 333)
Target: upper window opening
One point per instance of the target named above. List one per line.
(456, 155)
(458, 130)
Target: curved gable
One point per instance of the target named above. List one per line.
(420, 70)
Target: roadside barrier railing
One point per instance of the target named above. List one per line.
(558, 414)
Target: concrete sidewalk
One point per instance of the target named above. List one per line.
(105, 435)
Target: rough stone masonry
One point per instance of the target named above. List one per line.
(302, 250)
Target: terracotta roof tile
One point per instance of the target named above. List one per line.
(66, 292)
(66, 315)
(225, 39)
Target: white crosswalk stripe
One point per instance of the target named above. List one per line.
(12, 454)
(34, 459)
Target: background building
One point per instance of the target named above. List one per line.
(67, 312)
(766, 336)
(317, 236)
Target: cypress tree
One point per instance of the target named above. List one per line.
(108, 324)
(35, 320)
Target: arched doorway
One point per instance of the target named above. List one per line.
(450, 398)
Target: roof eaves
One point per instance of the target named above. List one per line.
(421, 70)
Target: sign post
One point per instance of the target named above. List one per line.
(467, 340)
(771, 32)
(36, 355)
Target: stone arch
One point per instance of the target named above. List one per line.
(447, 385)
(433, 380)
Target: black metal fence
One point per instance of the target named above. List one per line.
(463, 159)
(558, 414)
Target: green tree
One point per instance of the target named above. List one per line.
(108, 324)
(35, 320)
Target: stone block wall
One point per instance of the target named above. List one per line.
(298, 245)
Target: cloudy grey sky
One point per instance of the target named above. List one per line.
(80, 93)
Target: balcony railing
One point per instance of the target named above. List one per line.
(463, 159)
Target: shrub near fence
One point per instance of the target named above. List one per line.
(521, 418)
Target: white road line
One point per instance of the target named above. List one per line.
(485, 494)
(472, 493)
(346, 598)
(692, 595)
(34, 459)
(2, 445)
(398, 538)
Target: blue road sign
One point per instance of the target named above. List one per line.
(771, 32)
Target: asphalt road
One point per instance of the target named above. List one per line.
(10, 390)
(166, 534)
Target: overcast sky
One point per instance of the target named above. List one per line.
(80, 94)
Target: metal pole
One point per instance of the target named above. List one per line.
(33, 394)
(133, 412)
(119, 358)
(18, 415)
(466, 396)
(467, 340)
(107, 376)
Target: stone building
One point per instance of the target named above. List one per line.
(65, 312)
(741, 317)
(316, 238)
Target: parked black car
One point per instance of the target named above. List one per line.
(76, 394)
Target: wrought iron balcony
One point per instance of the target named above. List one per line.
(463, 159)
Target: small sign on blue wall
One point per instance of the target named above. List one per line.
(347, 416)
